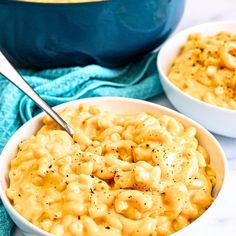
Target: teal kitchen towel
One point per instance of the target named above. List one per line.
(56, 86)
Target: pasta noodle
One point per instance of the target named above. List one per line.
(129, 174)
(206, 69)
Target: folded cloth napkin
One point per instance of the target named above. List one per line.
(56, 86)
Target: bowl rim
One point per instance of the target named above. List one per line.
(183, 33)
(164, 109)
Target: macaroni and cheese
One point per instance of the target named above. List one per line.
(206, 69)
(121, 174)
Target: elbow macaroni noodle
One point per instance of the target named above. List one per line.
(206, 69)
(124, 174)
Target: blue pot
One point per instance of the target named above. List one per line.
(110, 33)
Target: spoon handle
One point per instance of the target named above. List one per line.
(9, 72)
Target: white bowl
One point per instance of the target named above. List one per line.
(216, 119)
(116, 105)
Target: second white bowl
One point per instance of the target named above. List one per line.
(216, 119)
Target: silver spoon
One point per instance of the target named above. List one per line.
(9, 72)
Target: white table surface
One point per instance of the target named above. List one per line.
(196, 12)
